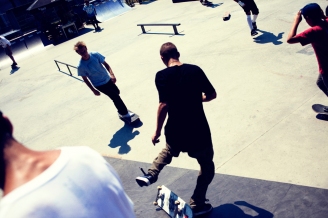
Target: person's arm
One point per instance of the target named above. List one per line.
(112, 76)
(207, 88)
(291, 39)
(207, 98)
(87, 82)
(161, 116)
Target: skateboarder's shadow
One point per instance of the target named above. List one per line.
(232, 210)
(122, 137)
(213, 5)
(267, 37)
(14, 70)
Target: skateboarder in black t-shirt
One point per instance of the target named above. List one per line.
(250, 7)
(182, 89)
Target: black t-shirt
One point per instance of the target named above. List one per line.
(181, 88)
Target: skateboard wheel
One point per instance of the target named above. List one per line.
(155, 203)
(176, 202)
(159, 187)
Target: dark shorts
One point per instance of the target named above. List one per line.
(250, 6)
(92, 19)
(8, 51)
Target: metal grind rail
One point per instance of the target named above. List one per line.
(68, 68)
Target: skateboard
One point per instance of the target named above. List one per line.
(226, 16)
(319, 108)
(172, 204)
(130, 120)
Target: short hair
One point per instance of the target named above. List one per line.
(312, 11)
(79, 45)
(169, 50)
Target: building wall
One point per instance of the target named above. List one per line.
(7, 17)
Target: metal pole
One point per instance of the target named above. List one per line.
(175, 30)
(143, 29)
(69, 70)
(57, 65)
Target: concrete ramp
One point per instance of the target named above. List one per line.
(109, 9)
(23, 46)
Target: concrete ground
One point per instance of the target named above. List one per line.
(262, 124)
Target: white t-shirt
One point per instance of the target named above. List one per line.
(80, 183)
(4, 42)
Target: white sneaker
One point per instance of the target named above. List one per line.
(129, 114)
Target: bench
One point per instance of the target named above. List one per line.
(160, 24)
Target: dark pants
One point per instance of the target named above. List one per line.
(111, 90)
(250, 6)
(205, 176)
(322, 83)
(93, 20)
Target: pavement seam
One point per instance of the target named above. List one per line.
(273, 212)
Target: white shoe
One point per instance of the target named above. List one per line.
(129, 114)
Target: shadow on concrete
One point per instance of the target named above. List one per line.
(268, 37)
(322, 117)
(98, 31)
(14, 70)
(145, 2)
(213, 5)
(231, 210)
(72, 36)
(122, 137)
(169, 34)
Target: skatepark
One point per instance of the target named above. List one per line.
(270, 147)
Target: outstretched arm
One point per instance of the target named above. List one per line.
(161, 116)
(291, 39)
(87, 82)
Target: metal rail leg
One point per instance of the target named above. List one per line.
(175, 30)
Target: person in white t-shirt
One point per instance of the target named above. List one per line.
(64, 183)
(6, 45)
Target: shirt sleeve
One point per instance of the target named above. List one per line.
(161, 86)
(305, 37)
(99, 57)
(205, 84)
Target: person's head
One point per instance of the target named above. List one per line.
(312, 13)
(169, 51)
(81, 48)
(86, 2)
